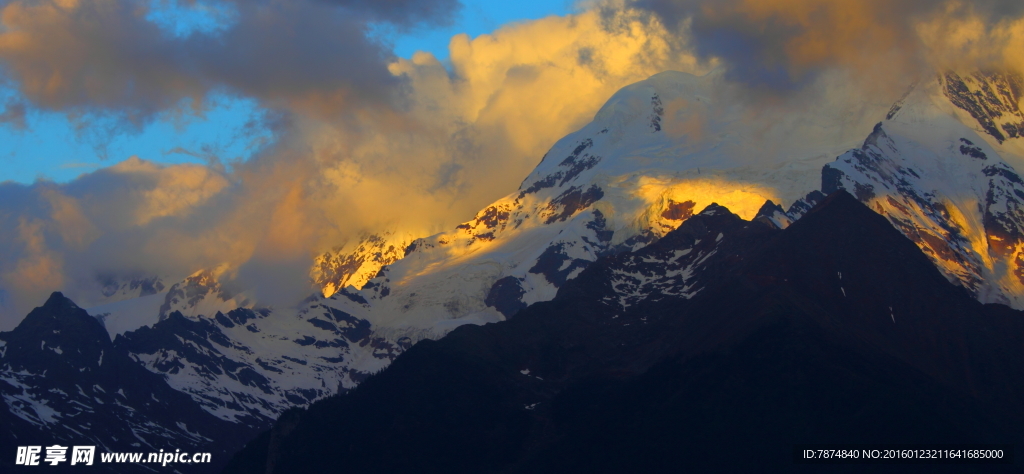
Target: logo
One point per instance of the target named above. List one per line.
(56, 454)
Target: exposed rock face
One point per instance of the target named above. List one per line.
(342, 267)
(992, 98)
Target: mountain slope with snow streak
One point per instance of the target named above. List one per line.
(64, 382)
(943, 168)
(245, 363)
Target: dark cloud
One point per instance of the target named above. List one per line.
(105, 55)
(784, 44)
(404, 13)
(14, 114)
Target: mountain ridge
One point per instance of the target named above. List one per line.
(64, 381)
(544, 389)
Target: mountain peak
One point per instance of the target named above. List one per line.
(840, 201)
(714, 209)
(841, 219)
(58, 301)
(60, 323)
(63, 381)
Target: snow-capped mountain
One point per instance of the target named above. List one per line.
(656, 152)
(625, 180)
(939, 163)
(725, 332)
(245, 363)
(64, 382)
(206, 381)
(943, 168)
(629, 177)
(199, 293)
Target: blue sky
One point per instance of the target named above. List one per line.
(476, 18)
(52, 147)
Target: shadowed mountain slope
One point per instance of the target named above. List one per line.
(64, 382)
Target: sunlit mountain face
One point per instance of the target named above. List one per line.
(621, 239)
